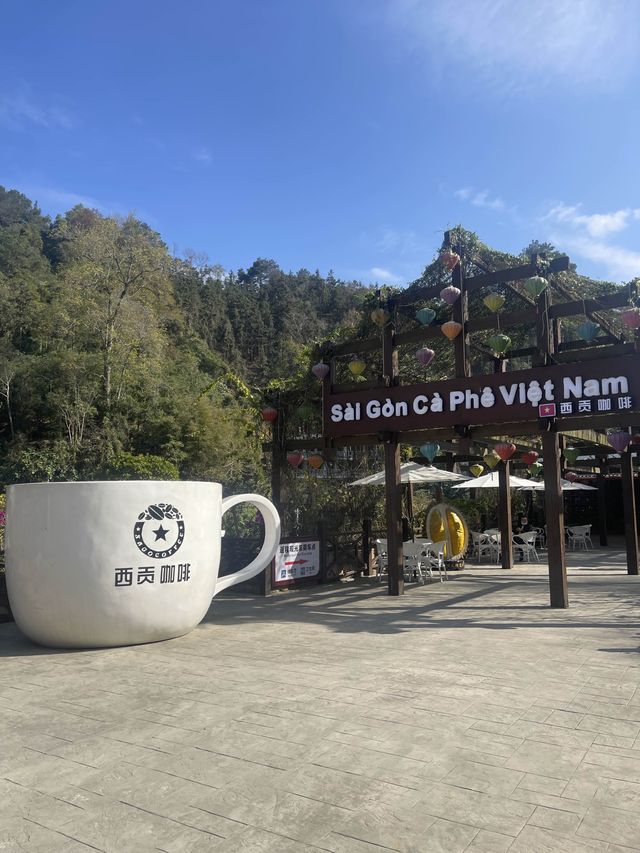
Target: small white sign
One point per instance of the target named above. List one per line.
(295, 560)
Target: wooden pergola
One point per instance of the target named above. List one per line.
(611, 363)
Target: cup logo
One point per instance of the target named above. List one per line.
(159, 531)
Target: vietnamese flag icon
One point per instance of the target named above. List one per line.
(547, 410)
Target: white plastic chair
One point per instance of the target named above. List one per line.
(580, 536)
(381, 553)
(525, 543)
(485, 545)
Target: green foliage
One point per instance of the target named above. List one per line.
(141, 466)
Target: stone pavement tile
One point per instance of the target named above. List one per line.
(484, 778)
(609, 726)
(612, 764)
(260, 841)
(618, 848)
(491, 711)
(118, 827)
(608, 824)
(568, 719)
(337, 843)
(547, 733)
(484, 811)
(301, 818)
(612, 740)
(386, 767)
(537, 798)
(346, 790)
(543, 784)
(618, 794)
(563, 822)
(624, 711)
(546, 759)
(251, 747)
(46, 772)
(399, 831)
(25, 836)
(489, 842)
(537, 714)
(535, 839)
(38, 806)
(491, 726)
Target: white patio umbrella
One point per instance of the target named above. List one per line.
(490, 481)
(566, 485)
(411, 472)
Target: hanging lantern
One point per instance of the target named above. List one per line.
(379, 316)
(490, 458)
(315, 460)
(530, 457)
(571, 476)
(269, 414)
(450, 294)
(588, 330)
(430, 450)
(425, 315)
(619, 440)
(505, 450)
(451, 329)
(494, 301)
(425, 356)
(320, 370)
(357, 366)
(295, 458)
(535, 469)
(499, 343)
(536, 285)
(631, 318)
(635, 439)
(449, 259)
(570, 455)
(476, 469)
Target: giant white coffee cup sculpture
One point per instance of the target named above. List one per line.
(118, 563)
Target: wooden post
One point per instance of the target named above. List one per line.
(366, 546)
(322, 544)
(629, 502)
(393, 487)
(602, 504)
(554, 508)
(504, 514)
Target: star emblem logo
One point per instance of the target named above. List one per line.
(159, 531)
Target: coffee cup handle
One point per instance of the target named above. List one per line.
(269, 546)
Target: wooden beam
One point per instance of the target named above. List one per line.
(602, 303)
(504, 514)
(554, 509)
(629, 503)
(614, 351)
(513, 318)
(602, 506)
(393, 487)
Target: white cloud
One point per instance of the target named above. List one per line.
(596, 224)
(19, 110)
(396, 241)
(59, 200)
(203, 155)
(480, 198)
(511, 45)
(620, 264)
(381, 274)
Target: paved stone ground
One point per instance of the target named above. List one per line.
(466, 716)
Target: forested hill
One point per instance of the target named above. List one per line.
(117, 359)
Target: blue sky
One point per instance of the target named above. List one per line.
(333, 134)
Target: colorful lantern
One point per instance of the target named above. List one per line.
(535, 469)
(476, 469)
(425, 315)
(269, 414)
(499, 343)
(490, 458)
(450, 294)
(635, 439)
(379, 316)
(320, 370)
(315, 460)
(588, 330)
(449, 259)
(494, 301)
(619, 440)
(425, 356)
(631, 318)
(451, 329)
(530, 457)
(505, 450)
(536, 285)
(430, 450)
(357, 366)
(295, 459)
(570, 455)
(571, 476)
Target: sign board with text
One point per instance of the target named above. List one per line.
(606, 386)
(296, 561)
